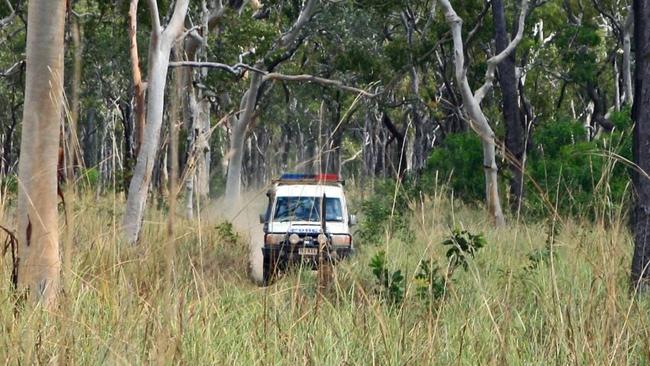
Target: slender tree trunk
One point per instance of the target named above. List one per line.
(237, 138)
(73, 147)
(37, 216)
(189, 116)
(138, 84)
(471, 105)
(514, 128)
(90, 139)
(628, 30)
(617, 85)
(641, 148)
(173, 175)
(159, 52)
(203, 151)
(128, 153)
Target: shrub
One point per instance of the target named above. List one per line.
(589, 174)
(227, 233)
(463, 244)
(379, 217)
(91, 177)
(430, 282)
(460, 159)
(391, 283)
(583, 173)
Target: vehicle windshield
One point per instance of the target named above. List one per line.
(307, 209)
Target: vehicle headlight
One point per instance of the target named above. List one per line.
(273, 239)
(341, 239)
(294, 239)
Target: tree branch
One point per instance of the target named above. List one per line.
(268, 76)
(235, 69)
(615, 23)
(175, 26)
(6, 20)
(304, 17)
(15, 67)
(215, 14)
(478, 21)
(155, 17)
(315, 79)
(495, 60)
(352, 158)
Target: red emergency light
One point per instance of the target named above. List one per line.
(328, 177)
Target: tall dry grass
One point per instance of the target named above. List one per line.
(121, 308)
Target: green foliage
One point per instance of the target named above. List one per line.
(463, 244)
(579, 173)
(391, 283)
(580, 51)
(621, 119)
(544, 255)
(429, 281)
(459, 159)
(227, 233)
(588, 177)
(397, 53)
(538, 256)
(550, 138)
(385, 213)
(430, 284)
(90, 177)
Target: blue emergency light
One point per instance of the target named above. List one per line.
(297, 176)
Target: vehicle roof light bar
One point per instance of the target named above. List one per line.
(310, 178)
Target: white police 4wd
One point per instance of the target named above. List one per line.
(306, 221)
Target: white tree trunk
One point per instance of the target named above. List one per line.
(189, 197)
(37, 216)
(159, 51)
(197, 108)
(472, 103)
(627, 58)
(249, 101)
(617, 87)
(236, 153)
(203, 151)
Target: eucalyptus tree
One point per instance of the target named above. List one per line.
(198, 100)
(619, 19)
(472, 101)
(641, 117)
(284, 47)
(508, 82)
(162, 41)
(37, 215)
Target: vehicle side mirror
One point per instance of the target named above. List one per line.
(353, 220)
(262, 218)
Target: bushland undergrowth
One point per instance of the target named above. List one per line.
(535, 293)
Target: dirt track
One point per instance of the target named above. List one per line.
(245, 219)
